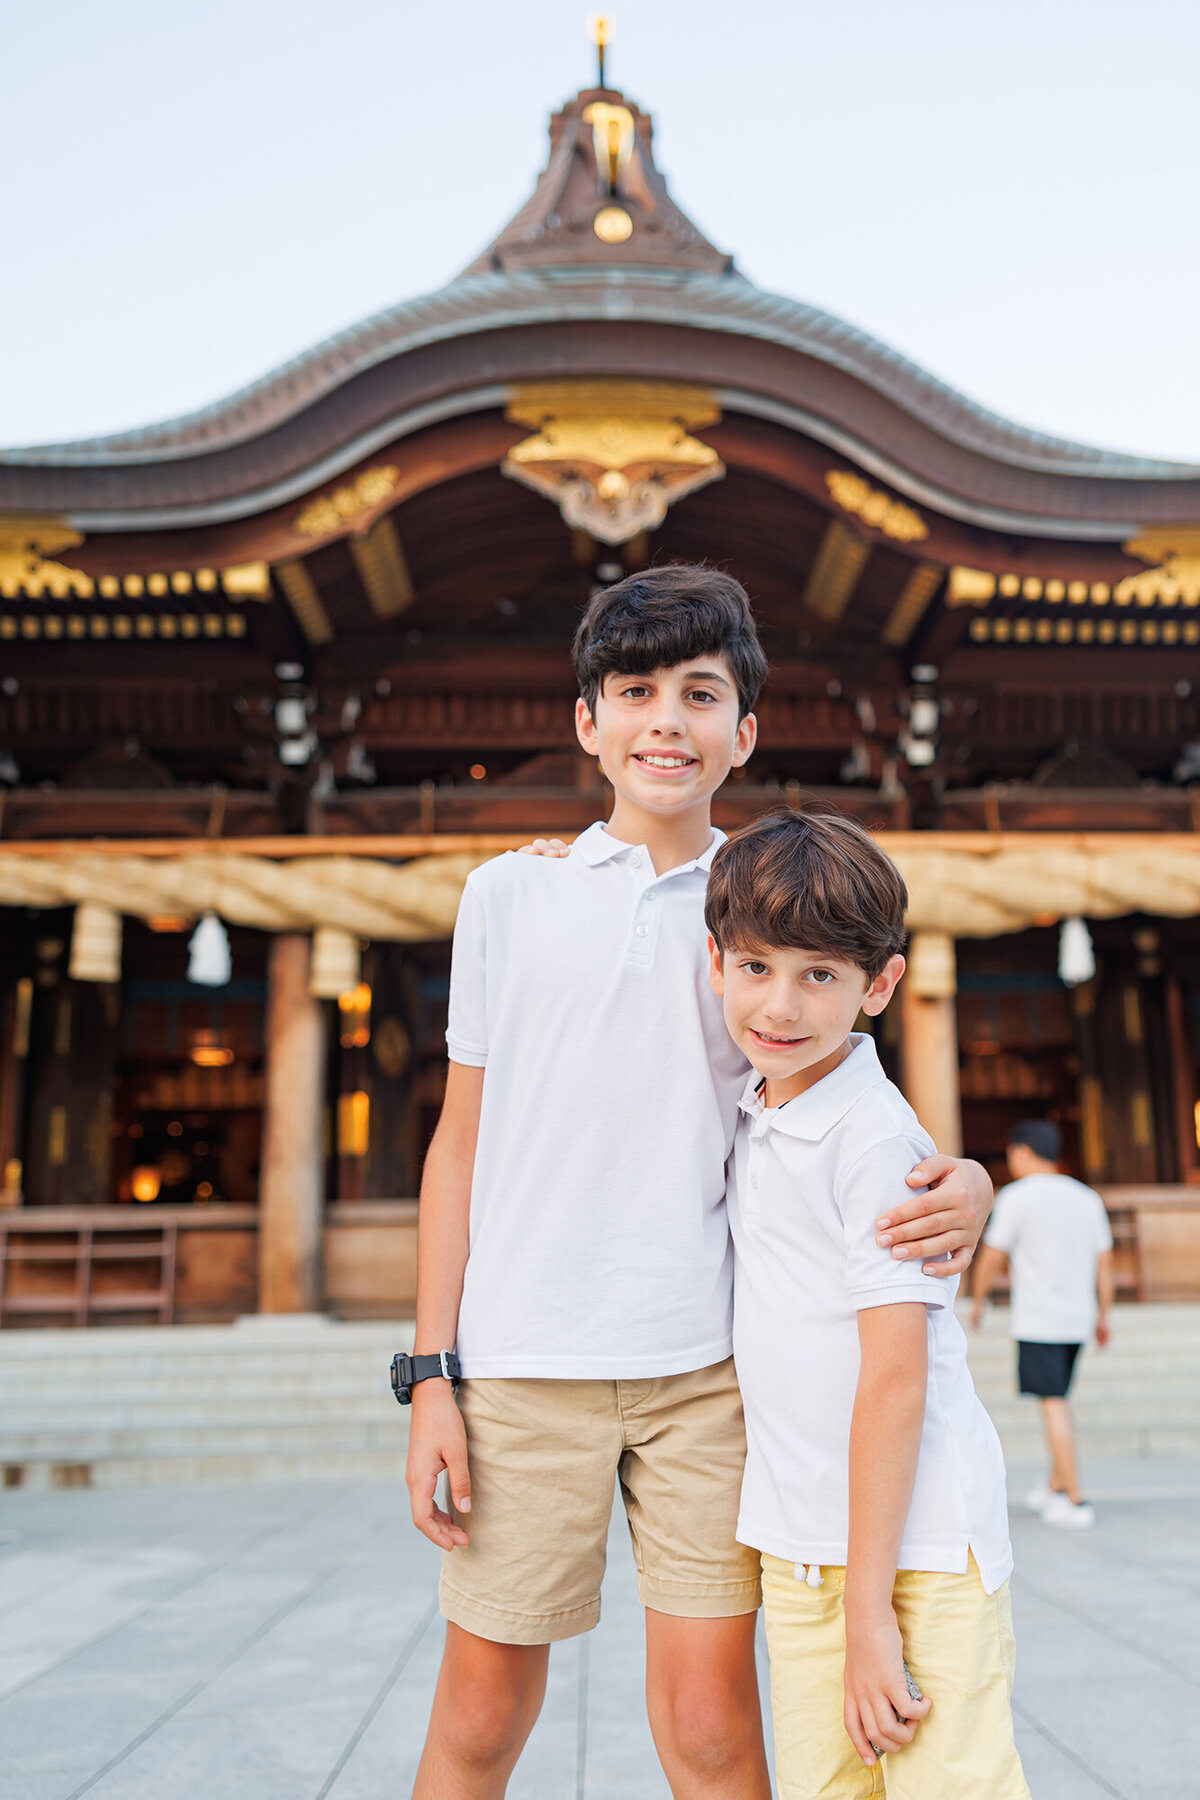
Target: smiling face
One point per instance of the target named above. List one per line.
(791, 1011)
(666, 741)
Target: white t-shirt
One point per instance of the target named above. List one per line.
(1052, 1229)
(599, 1241)
(810, 1180)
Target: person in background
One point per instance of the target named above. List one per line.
(1054, 1234)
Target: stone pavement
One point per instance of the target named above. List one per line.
(265, 1642)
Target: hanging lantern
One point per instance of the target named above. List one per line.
(209, 963)
(335, 964)
(1076, 955)
(95, 943)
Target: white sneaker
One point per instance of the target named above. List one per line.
(1060, 1510)
(1039, 1497)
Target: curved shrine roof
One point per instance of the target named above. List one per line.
(599, 273)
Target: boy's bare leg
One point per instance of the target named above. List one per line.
(488, 1698)
(702, 1699)
(1060, 1436)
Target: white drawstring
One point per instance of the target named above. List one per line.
(810, 1576)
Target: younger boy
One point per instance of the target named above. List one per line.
(874, 1482)
(573, 1239)
(1055, 1235)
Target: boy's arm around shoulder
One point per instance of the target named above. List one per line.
(948, 1217)
(437, 1439)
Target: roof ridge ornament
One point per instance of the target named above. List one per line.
(600, 30)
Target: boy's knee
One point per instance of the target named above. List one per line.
(711, 1732)
(492, 1703)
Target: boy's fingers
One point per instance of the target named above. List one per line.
(930, 1171)
(855, 1732)
(460, 1481)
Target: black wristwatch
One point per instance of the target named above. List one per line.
(408, 1370)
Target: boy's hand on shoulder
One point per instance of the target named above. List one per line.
(876, 1691)
(545, 847)
(437, 1441)
(949, 1218)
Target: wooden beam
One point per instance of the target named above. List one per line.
(290, 1201)
(839, 562)
(301, 595)
(911, 602)
(383, 569)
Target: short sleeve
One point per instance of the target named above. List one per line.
(1104, 1236)
(872, 1183)
(1001, 1233)
(466, 1030)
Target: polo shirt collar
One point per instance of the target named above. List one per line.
(814, 1113)
(597, 845)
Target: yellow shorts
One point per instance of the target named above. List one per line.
(545, 1457)
(958, 1642)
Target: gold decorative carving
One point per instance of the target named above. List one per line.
(613, 225)
(245, 581)
(839, 563)
(27, 545)
(969, 587)
(875, 508)
(1175, 579)
(340, 510)
(301, 595)
(383, 568)
(911, 603)
(612, 134)
(613, 455)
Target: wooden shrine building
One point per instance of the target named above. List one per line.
(287, 668)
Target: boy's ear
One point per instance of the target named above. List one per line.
(883, 986)
(716, 969)
(744, 742)
(585, 727)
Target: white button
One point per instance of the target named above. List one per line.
(635, 861)
(652, 893)
(643, 930)
(754, 1181)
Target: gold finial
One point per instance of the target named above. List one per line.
(600, 29)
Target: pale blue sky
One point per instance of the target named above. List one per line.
(1007, 193)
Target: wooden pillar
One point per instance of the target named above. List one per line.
(931, 1038)
(292, 1192)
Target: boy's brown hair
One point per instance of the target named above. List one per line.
(808, 881)
(664, 617)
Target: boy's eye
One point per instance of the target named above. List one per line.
(821, 977)
(755, 968)
(634, 693)
(702, 694)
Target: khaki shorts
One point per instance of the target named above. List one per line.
(544, 1458)
(958, 1642)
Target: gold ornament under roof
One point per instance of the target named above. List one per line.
(875, 508)
(613, 455)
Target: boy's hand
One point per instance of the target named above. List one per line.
(544, 847)
(1103, 1332)
(437, 1441)
(876, 1690)
(976, 1315)
(950, 1217)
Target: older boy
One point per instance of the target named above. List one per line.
(1054, 1233)
(874, 1482)
(573, 1234)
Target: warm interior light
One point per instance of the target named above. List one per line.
(354, 1123)
(1196, 1118)
(355, 1008)
(145, 1183)
(478, 771)
(208, 1052)
(168, 922)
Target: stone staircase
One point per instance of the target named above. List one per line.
(264, 1399)
(296, 1399)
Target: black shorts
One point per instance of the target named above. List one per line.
(1046, 1369)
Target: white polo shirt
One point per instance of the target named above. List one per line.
(599, 1241)
(810, 1180)
(1052, 1229)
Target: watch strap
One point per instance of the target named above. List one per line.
(408, 1370)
